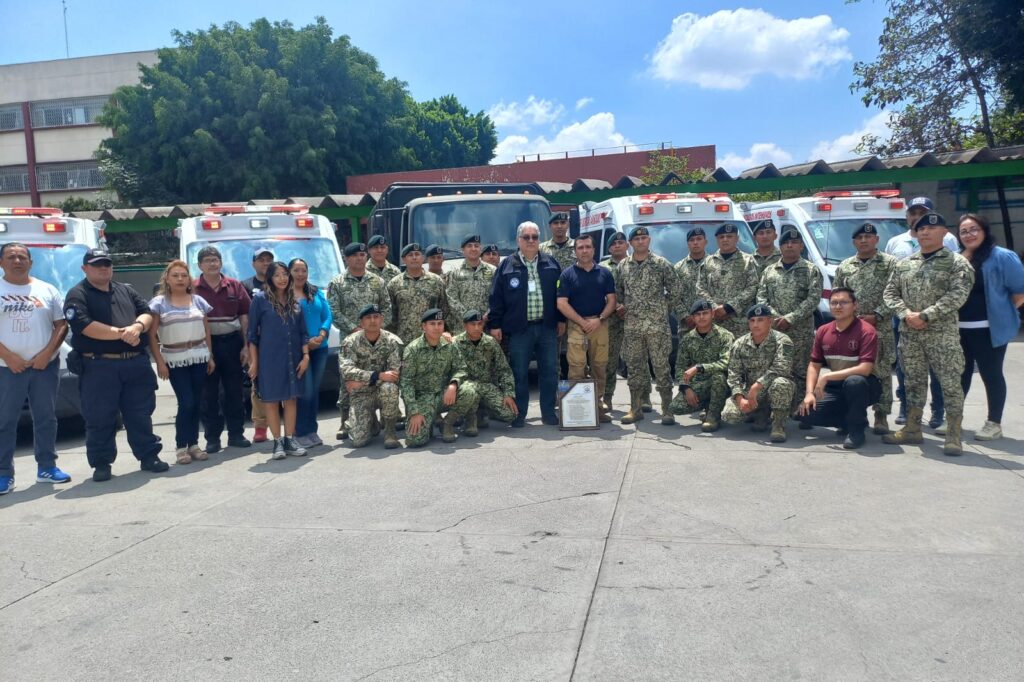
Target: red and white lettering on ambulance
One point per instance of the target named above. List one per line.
(592, 219)
(757, 215)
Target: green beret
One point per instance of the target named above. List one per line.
(759, 310)
(377, 240)
(369, 309)
(472, 316)
(432, 314)
(409, 248)
(701, 304)
(354, 248)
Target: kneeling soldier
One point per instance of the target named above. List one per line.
(433, 374)
(701, 364)
(487, 372)
(370, 362)
(761, 361)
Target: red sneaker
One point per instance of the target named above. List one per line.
(260, 436)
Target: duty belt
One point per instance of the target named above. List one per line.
(112, 356)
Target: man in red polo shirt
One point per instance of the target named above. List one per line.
(230, 315)
(841, 396)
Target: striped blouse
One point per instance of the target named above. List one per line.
(182, 327)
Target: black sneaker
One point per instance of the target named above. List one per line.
(550, 420)
(155, 465)
(101, 473)
(854, 440)
(213, 446)
(239, 442)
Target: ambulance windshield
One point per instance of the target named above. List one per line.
(833, 237)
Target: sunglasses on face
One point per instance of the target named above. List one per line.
(530, 237)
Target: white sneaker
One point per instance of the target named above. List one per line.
(990, 431)
(941, 428)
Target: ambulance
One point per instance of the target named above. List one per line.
(288, 230)
(57, 243)
(668, 217)
(826, 222)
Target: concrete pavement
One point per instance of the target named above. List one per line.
(626, 553)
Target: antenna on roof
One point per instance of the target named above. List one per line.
(67, 48)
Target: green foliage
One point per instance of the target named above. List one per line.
(273, 111)
(993, 30)
(73, 204)
(659, 165)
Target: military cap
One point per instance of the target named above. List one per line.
(933, 219)
(489, 248)
(865, 228)
(376, 240)
(354, 248)
(759, 310)
(701, 304)
(433, 250)
(639, 231)
(471, 239)
(695, 232)
(725, 228)
(615, 237)
(472, 316)
(763, 225)
(789, 234)
(96, 256)
(558, 215)
(432, 314)
(410, 247)
(369, 309)
(921, 201)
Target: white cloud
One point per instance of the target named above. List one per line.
(525, 115)
(595, 132)
(841, 148)
(760, 154)
(583, 101)
(728, 49)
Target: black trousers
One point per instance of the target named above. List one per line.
(845, 404)
(110, 386)
(978, 350)
(220, 408)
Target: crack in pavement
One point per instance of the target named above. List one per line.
(659, 439)
(523, 506)
(24, 572)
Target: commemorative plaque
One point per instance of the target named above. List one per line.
(578, 406)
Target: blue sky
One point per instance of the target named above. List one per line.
(763, 82)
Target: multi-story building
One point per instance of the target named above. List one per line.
(48, 128)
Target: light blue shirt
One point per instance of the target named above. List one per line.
(1003, 276)
(317, 313)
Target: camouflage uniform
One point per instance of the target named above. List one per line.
(358, 360)
(426, 372)
(410, 298)
(347, 295)
(731, 282)
(386, 273)
(867, 279)
(488, 374)
(768, 364)
(615, 325)
(793, 295)
(688, 272)
(762, 262)
(646, 289)
(564, 254)
(711, 353)
(468, 289)
(937, 287)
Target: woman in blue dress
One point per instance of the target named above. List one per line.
(277, 329)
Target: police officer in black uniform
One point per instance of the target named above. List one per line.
(109, 321)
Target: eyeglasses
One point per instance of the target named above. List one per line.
(970, 233)
(530, 237)
(838, 304)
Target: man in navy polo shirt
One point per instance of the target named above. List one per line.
(586, 297)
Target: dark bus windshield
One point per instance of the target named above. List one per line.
(495, 222)
(669, 239)
(236, 255)
(832, 237)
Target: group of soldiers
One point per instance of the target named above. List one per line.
(746, 329)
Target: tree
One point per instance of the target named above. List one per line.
(659, 165)
(272, 111)
(994, 30)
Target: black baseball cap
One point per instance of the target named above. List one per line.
(96, 256)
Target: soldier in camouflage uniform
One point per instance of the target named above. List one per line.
(379, 263)
(433, 381)
(412, 293)
(760, 362)
(347, 294)
(792, 289)
(469, 286)
(647, 287)
(435, 261)
(765, 254)
(560, 247)
(926, 292)
(688, 272)
(370, 361)
(729, 281)
(867, 273)
(618, 249)
(491, 255)
(487, 373)
(701, 365)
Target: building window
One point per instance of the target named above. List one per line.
(69, 176)
(14, 180)
(67, 112)
(10, 117)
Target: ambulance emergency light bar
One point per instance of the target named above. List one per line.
(38, 211)
(825, 207)
(303, 221)
(715, 198)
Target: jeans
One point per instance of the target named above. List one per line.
(40, 387)
(187, 383)
(309, 402)
(111, 386)
(845, 404)
(226, 352)
(543, 342)
(938, 402)
(977, 345)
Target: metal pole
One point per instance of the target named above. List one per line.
(67, 48)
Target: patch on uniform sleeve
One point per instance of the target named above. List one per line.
(69, 314)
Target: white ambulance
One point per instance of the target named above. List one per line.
(668, 217)
(826, 222)
(289, 230)
(57, 243)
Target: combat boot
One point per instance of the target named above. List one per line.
(712, 420)
(666, 408)
(470, 427)
(881, 425)
(390, 439)
(636, 411)
(761, 421)
(343, 428)
(483, 420)
(909, 434)
(953, 446)
(779, 418)
(645, 402)
(374, 426)
(448, 426)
